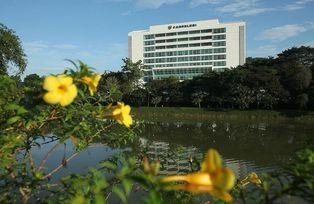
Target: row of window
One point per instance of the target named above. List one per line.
(220, 63)
(184, 59)
(214, 44)
(180, 77)
(197, 70)
(184, 52)
(215, 37)
(182, 64)
(217, 63)
(217, 30)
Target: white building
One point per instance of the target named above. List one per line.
(188, 49)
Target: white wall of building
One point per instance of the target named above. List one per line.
(235, 44)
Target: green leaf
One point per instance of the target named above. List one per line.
(127, 184)
(120, 194)
(108, 165)
(12, 120)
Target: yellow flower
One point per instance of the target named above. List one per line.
(212, 178)
(151, 168)
(60, 89)
(251, 178)
(121, 113)
(92, 82)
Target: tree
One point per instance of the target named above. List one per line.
(198, 97)
(109, 89)
(156, 100)
(131, 74)
(11, 52)
(300, 55)
(32, 81)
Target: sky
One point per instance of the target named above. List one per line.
(96, 31)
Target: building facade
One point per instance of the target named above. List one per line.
(185, 50)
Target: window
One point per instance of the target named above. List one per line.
(148, 55)
(148, 61)
(160, 54)
(173, 59)
(171, 53)
(182, 59)
(195, 38)
(218, 44)
(160, 60)
(195, 45)
(183, 33)
(149, 42)
(160, 41)
(195, 58)
(219, 50)
(219, 30)
(160, 47)
(206, 31)
(183, 39)
(219, 37)
(171, 46)
(183, 45)
(160, 35)
(171, 40)
(219, 57)
(207, 44)
(206, 51)
(194, 32)
(147, 37)
(186, 52)
(206, 37)
(208, 57)
(171, 34)
(220, 63)
(147, 49)
(195, 52)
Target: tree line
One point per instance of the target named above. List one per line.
(283, 82)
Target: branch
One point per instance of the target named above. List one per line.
(61, 165)
(42, 163)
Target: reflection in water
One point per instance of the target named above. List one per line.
(246, 147)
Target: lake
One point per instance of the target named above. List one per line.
(244, 145)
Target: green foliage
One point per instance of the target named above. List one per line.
(285, 82)
(25, 118)
(11, 52)
(296, 180)
(198, 97)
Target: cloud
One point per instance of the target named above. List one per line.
(252, 12)
(154, 4)
(35, 46)
(196, 3)
(243, 8)
(310, 43)
(65, 46)
(297, 5)
(281, 33)
(126, 13)
(263, 51)
(39, 46)
(239, 8)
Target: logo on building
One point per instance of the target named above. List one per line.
(181, 26)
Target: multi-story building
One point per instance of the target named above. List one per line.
(188, 49)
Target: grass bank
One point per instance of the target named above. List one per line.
(188, 114)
